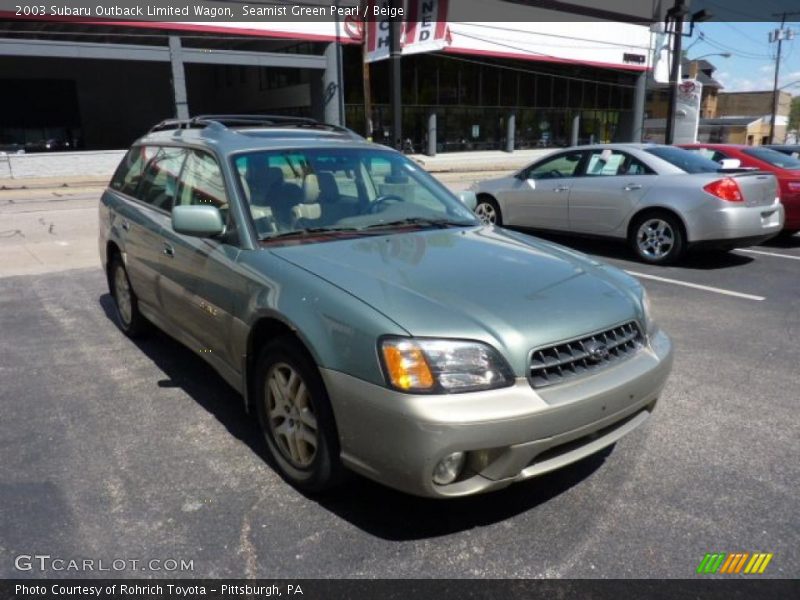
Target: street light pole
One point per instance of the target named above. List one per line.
(677, 14)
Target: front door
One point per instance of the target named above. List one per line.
(613, 183)
(200, 273)
(539, 198)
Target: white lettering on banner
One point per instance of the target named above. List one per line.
(425, 29)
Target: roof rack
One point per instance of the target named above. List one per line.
(230, 121)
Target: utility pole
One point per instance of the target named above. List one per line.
(778, 35)
(677, 14)
(395, 54)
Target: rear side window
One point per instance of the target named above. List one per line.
(684, 160)
(774, 158)
(608, 162)
(159, 182)
(129, 173)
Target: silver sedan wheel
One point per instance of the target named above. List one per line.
(486, 213)
(655, 238)
(291, 415)
(122, 295)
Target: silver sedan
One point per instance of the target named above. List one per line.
(661, 199)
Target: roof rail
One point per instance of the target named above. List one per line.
(229, 121)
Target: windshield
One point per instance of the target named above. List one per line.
(337, 189)
(774, 158)
(685, 160)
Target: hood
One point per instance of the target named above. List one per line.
(485, 283)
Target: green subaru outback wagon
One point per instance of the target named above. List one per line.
(366, 316)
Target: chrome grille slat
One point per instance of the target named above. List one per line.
(564, 361)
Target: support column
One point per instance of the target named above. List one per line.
(332, 97)
(395, 73)
(178, 78)
(511, 130)
(639, 95)
(576, 126)
(431, 134)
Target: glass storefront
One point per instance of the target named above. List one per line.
(473, 100)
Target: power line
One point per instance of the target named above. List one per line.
(556, 35)
(534, 53)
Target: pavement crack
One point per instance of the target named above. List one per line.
(246, 547)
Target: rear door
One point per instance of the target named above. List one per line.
(613, 183)
(540, 197)
(139, 221)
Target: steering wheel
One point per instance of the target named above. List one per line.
(555, 174)
(381, 203)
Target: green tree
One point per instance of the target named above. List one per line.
(794, 114)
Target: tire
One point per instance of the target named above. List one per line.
(787, 233)
(488, 211)
(293, 408)
(129, 319)
(657, 238)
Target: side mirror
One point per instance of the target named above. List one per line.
(197, 220)
(468, 199)
(730, 163)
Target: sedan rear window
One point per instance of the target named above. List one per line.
(774, 158)
(685, 160)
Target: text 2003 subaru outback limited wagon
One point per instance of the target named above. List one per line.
(366, 315)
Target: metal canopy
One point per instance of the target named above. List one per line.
(95, 51)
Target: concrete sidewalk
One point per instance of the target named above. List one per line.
(491, 160)
(94, 169)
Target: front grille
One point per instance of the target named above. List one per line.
(559, 363)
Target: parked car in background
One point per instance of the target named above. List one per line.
(792, 150)
(661, 199)
(9, 145)
(49, 145)
(366, 315)
(783, 165)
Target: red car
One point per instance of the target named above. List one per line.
(785, 168)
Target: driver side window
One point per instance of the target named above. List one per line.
(563, 165)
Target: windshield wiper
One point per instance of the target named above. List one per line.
(425, 222)
(301, 233)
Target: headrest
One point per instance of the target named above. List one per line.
(311, 189)
(306, 211)
(329, 190)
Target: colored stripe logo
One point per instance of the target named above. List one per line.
(733, 563)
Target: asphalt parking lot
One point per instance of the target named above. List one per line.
(119, 450)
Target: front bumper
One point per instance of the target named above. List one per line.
(732, 222)
(509, 434)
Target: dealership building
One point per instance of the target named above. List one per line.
(72, 84)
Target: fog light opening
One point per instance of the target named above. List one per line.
(449, 468)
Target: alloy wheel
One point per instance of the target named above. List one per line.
(655, 239)
(122, 295)
(486, 213)
(291, 415)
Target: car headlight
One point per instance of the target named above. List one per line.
(649, 323)
(443, 366)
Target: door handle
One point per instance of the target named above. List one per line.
(126, 226)
(561, 188)
(169, 250)
(633, 186)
